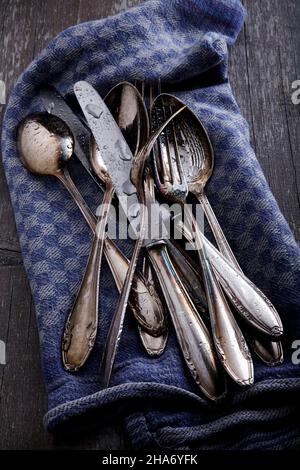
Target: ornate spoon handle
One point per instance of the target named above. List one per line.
(218, 233)
(269, 351)
(193, 337)
(250, 302)
(229, 341)
(81, 326)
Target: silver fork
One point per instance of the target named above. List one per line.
(154, 345)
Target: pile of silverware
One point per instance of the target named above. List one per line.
(142, 149)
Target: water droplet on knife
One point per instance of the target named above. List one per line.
(94, 110)
(134, 211)
(123, 151)
(128, 188)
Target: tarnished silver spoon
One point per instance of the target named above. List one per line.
(45, 145)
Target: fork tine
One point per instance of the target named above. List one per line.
(169, 171)
(160, 152)
(151, 98)
(140, 86)
(143, 89)
(179, 167)
(167, 142)
(159, 87)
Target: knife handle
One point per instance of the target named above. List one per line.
(193, 336)
(143, 301)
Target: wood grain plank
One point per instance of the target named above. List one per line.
(21, 409)
(239, 79)
(90, 10)
(5, 301)
(54, 17)
(289, 30)
(23, 399)
(10, 258)
(17, 45)
(265, 47)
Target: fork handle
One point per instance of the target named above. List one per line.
(193, 337)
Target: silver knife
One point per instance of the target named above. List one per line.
(114, 149)
(190, 329)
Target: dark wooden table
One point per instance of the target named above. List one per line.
(263, 65)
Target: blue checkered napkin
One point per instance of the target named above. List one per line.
(171, 40)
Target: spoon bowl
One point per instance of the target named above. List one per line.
(128, 109)
(45, 143)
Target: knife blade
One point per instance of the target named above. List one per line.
(117, 157)
(55, 104)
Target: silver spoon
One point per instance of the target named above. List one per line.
(197, 160)
(228, 338)
(45, 145)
